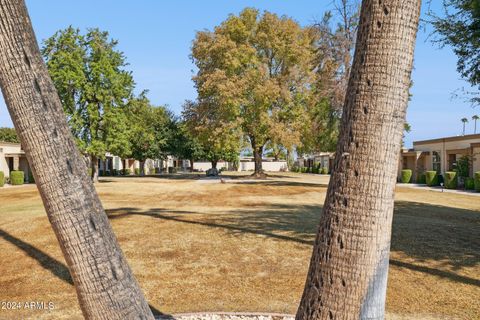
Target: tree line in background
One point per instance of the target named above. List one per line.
(264, 83)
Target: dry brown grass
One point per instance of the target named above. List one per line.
(199, 245)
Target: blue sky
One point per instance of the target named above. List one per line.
(156, 38)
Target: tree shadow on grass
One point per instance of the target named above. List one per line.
(55, 267)
(421, 231)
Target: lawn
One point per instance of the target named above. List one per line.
(202, 245)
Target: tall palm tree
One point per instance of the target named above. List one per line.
(465, 121)
(347, 277)
(475, 118)
(104, 282)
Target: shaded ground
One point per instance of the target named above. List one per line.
(241, 246)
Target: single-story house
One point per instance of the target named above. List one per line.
(323, 159)
(440, 154)
(13, 158)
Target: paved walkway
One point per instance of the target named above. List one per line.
(438, 189)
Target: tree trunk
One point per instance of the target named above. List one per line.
(257, 157)
(191, 164)
(105, 285)
(214, 164)
(347, 278)
(94, 166)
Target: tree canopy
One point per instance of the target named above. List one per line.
(460, 29)
(94, 87)
(254, 76)
(8, 135)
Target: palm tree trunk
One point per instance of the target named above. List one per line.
(105, 285)
(347, 278)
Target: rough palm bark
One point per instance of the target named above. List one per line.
(347, 277)
(105, 285)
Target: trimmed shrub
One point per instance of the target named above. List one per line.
(406, 176)
(421, 179)
(2, 178)
(477, 181)
(137, 171)
(451, 180)
(316, 170)
(17, 178)
(303, 169)
(324, 170)
(469, 183)
(126, 172)
(431, 178)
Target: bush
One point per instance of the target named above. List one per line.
(406, 176)
(431, 178)
(477, 181)
(451, 180)
(157, 170)
(421, 179)
(324, 170)
(316, 170)
(2, 178)
(137, 171)
(469, 183)
(126, 172)
(17, 178)
(303, 169)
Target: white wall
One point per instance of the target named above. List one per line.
(7, 148)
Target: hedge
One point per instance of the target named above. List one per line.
(17, 177)
(126, 172)
(324, 171)
(137, 171)
(469, 183)
(406, 176)
(451, 180)
(477, 181)
(431, 178)
(422, 179)
(2, 178)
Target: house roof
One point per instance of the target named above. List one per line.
(448, 139)
(4, 143)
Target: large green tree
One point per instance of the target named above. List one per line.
(209, 137)
(183, 144)
(94, 87)
(336, 33)
(460, 29)
(8, 135)
(150, 130)
(254, 73)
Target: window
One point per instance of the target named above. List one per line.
(436, 161)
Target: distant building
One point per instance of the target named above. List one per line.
(440, 154)
(321, 159)
(13, 158)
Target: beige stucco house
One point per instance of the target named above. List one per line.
(440, 154)
(12, 158)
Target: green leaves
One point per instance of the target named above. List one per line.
(254, 70)
(8, 135)
(89, 75)
(460, 28)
